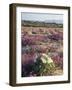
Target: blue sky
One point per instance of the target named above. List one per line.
(41, 16)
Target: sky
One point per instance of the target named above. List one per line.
(41, 16)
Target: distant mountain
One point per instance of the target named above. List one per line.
(54, 21)
(47, 21)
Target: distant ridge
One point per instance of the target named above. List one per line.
(52, 24)
(54, 21)
(47, 21)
